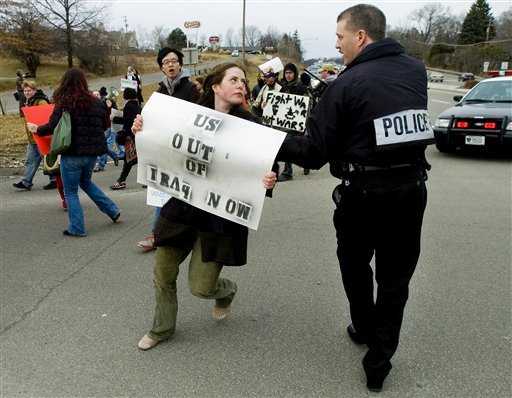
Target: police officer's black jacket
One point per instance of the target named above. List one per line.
(380, 81)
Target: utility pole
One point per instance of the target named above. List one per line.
(243, 33)
(125, 24)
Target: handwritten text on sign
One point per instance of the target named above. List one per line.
(211, 160)
(286, 111)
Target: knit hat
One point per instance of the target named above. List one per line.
(328, 68)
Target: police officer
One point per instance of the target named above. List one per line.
(372, 126)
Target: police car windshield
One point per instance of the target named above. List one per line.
(489, 91)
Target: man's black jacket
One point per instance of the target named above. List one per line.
(381, 80)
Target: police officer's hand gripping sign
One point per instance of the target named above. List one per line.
(371, 125)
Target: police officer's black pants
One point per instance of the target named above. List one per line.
(379, 213)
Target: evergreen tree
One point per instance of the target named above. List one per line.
(297, 44)
(177, 39)
(479, 24)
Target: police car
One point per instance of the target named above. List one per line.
(481, 119)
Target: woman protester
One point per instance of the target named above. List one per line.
(88, 123)
(133, 74)
(125, 136)
(182, 229)
(32, 96)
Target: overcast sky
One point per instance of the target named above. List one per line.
(314, 19)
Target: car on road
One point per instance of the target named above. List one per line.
(235, 53)
(435, 77)
(466, 76)
(481, 119)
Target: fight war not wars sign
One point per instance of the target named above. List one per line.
(411, 126)
(211, 160)
(287, 112)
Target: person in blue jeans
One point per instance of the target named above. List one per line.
(88, 122)
(32, 96)
(110, 137)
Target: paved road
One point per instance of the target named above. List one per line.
(74, 309)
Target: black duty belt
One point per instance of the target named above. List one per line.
(353, 167)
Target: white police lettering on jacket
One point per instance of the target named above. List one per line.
(408, 126)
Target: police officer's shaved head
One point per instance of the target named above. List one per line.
(365, 17)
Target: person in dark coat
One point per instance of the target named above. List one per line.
(176, 84)
(125, 136)
(133, 74)
(291, 84)
(373, 132)
(260, 82)
(183, 229)
(88, 123)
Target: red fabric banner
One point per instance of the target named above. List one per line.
(39, 115)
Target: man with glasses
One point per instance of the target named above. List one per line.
(177, 84)
(371, 125)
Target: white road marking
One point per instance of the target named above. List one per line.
(442, 102)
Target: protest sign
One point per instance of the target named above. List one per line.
(274, 64)
(211, 160)
(39, 114)
(156, 198)
(127, 83)
(286, 111)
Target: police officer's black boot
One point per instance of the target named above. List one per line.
(376, 371)
(355, 336)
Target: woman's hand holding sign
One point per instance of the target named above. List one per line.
(32, 127)
(269, 180)
(137, 124)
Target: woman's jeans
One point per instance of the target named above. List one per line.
(203, 281)
(77, 171)
(113, 150)
(32, 162)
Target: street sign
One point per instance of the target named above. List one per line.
(192, 24)
(190, 56)
(486, 66)
(214, 39)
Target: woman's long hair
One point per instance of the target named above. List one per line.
(215, 77)
(73, 91)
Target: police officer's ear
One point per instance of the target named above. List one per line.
(362, 37)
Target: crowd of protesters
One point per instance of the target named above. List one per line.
(118, 141)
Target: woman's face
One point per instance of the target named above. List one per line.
(29, 92)
(232, 87)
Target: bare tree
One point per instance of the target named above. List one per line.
(504, 28)
(22, 34)
(68, 16)
(252, 36)
(159, 36)
(228, 39)
(270, 38)
(144, 38)
(202, 40)
(428, 20)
